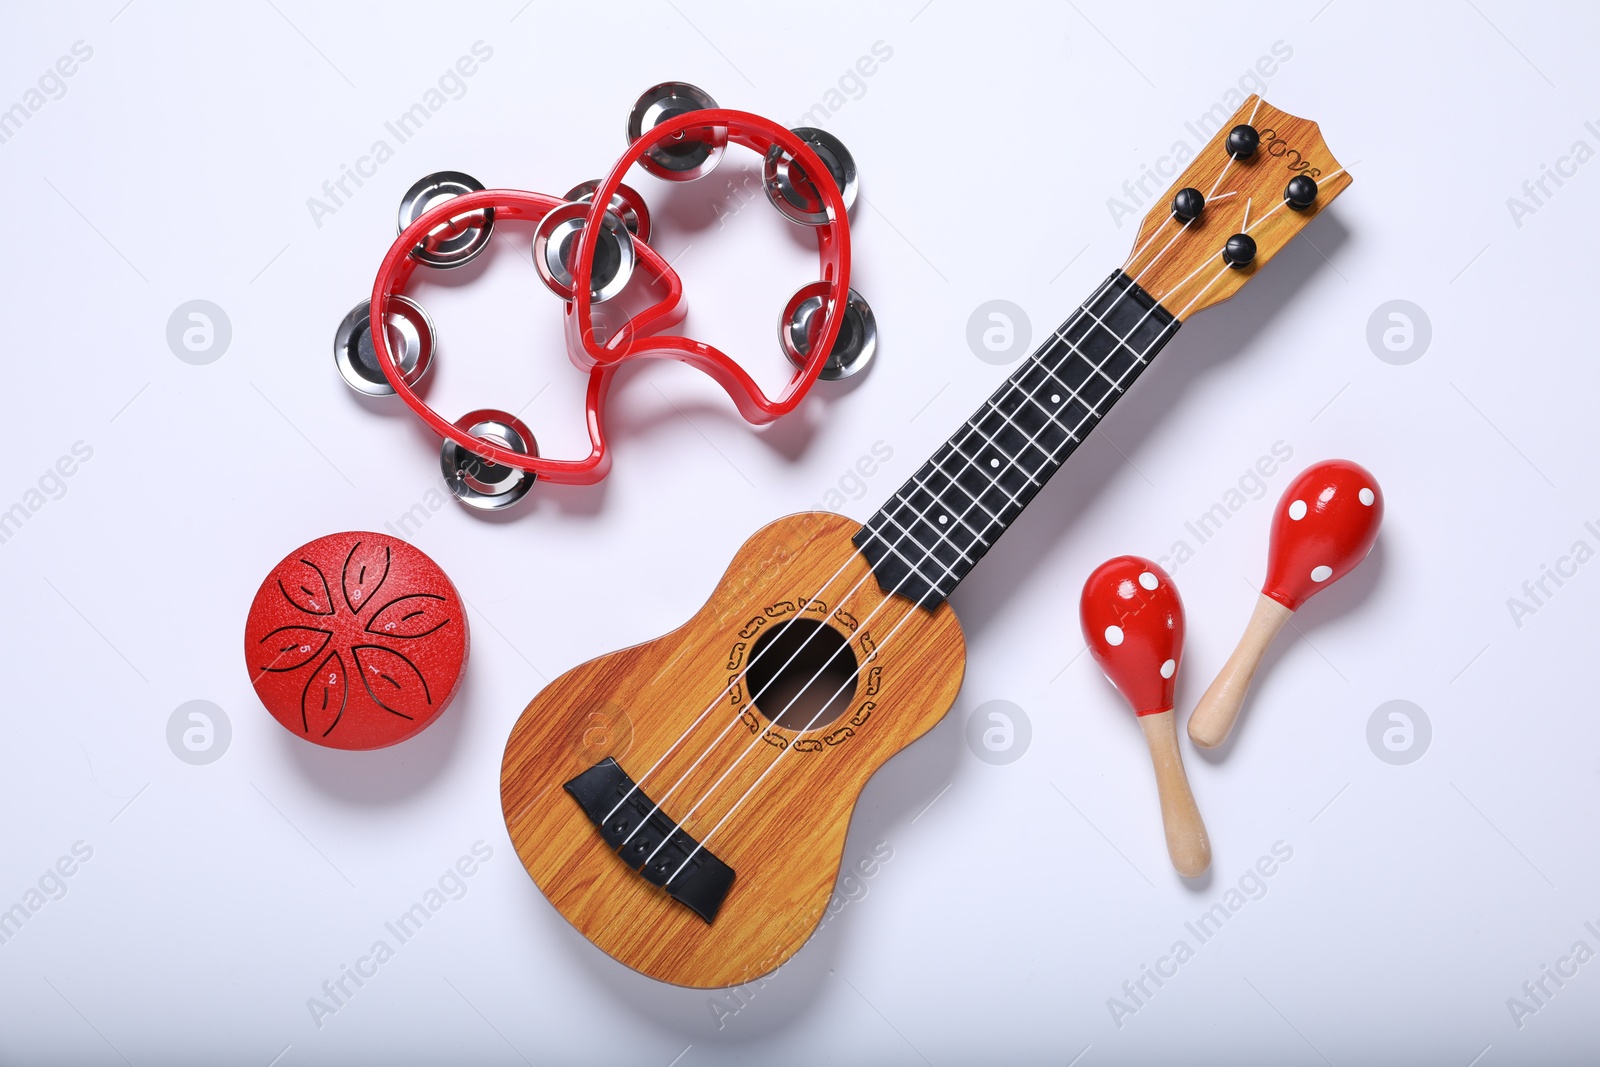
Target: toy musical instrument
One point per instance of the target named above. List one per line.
(588, 248)
(356, 640)
(1132, 619)
(1325, 523)
(684, 802)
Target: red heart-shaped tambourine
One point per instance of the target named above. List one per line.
(601, 351)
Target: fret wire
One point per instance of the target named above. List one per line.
(941, 536)
(943, 531)
(1047, 412)
(934, 528)
(1093, 410)
(1070, 390)
(935, 498)
(934, 463)
(890, 545)
(1095, 366)
(888, 515)
(1071, 350)
(1111, 389)
(994, 482)
(1072, 439)
(1122, 342)
(1012, 421)
(1072, 435)
(1012, 460)
(1024, 489)
(977, 498)
(1099, 368)
(1042, 440)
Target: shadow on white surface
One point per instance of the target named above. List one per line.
(1338, 600)
(892, 798)
(385, 775)
(1221, 333)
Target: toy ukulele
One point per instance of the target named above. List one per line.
(1132, 620)
(1325, 524)
(684, 802)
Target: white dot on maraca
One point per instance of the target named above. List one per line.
(1113, 635)
(1322, 573)
(1297, 510)
(1168, 667)
(1366, 496)
(1148, 580)
(943, 519)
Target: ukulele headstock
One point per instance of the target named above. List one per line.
(1186, 262)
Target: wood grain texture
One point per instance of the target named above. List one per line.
(1188, 845)
(1180, 264)
(785, 842)
(1212, 719)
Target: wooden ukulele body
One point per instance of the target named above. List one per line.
(641, 705)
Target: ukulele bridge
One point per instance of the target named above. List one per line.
(637, 829)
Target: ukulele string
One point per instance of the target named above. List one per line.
(1141, 359)
(855, 676)
(971, 463)
(1208, 199)
(868, 575)
(750, 664)
(1205, 262)
(639, 784)
(893, 547)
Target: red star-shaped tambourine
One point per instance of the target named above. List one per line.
(356, 641)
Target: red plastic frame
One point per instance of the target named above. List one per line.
(636, 337)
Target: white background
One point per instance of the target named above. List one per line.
(177, 165)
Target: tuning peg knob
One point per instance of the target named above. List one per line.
(1188, 203)
(1243, 140)
(1240, 250)
(1301, 192)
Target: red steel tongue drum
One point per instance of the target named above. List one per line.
(684, 802)
(1325, 523)
(1132, 619)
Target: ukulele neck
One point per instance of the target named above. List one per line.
(936, 527)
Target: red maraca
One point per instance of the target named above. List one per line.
(1133, 622)
(1325, 524)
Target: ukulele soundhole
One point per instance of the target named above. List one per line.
(802, 674)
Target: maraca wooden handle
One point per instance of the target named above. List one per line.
(1218, 710)
(1187, 842)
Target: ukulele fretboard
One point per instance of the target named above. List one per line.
(941, 522)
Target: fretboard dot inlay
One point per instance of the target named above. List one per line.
(989, 470)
